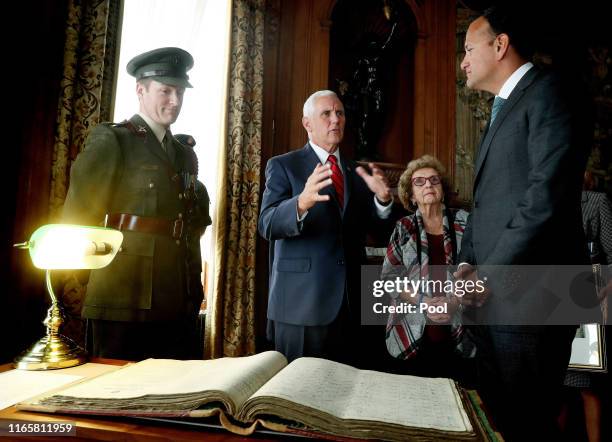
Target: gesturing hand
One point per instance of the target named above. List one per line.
(319, 179)
(377, 182)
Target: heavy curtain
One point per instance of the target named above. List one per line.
(85, 98)
(230, 326)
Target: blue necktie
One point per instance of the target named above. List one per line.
(498, 102)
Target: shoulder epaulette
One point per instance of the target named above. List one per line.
(140, 131)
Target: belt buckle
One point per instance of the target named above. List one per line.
(177, 229)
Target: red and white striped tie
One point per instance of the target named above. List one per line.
(337, 179)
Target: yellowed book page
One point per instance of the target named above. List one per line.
(348, 393)
(237, 377)
(18, 385)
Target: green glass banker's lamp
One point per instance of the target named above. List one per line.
(64, 246)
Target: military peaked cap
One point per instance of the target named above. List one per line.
(166, 65)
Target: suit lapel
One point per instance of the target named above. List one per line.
(489, 134)
(349, 176)
(309, 160)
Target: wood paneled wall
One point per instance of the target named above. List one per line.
(434, 107)
(296, 64)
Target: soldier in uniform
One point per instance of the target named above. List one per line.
(136, 177)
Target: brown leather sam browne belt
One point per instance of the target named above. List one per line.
(145, 224)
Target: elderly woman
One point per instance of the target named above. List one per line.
(421, 248)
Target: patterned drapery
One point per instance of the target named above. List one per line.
(85, 97)
(89, 54)
(230, 326)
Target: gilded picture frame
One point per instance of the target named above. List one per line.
(589, 349)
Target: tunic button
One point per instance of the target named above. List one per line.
(180, 196)
(178, 242)
(151, 185)
(180, 215)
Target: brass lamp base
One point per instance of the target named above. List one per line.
(63, 246)
(51, 352)
(54, 350)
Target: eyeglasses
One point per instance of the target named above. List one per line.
(421, 180)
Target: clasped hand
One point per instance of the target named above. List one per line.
(444, 314)
(449, 306)
(472, 297)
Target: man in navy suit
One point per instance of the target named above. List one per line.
(316, 209)
(526, 210)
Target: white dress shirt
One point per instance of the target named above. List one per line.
(158, 129)
(513, 80)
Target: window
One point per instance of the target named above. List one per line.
(201, 27)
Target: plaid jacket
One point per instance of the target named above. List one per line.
(405, 331)
(597, 223)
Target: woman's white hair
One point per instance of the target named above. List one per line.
(309, 104)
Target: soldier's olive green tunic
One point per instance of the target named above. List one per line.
(123, 169)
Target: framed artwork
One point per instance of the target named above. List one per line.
(589, 349)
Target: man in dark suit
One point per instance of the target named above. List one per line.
(316, 209)
(135, 177)
(526, 210)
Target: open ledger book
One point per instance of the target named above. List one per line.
(308, 396)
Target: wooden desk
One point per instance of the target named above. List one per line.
(129, 429)
(122, 429)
